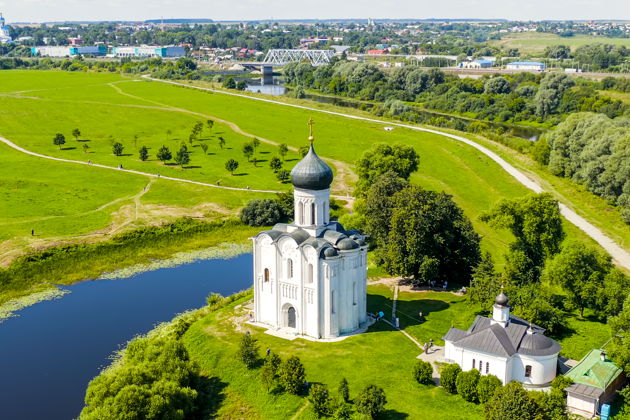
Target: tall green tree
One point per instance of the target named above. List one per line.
(379, 205)
(59, 140)
(292, 375)
(275, 163)
(248, 350)
(619, 347)
(512, 402)
(231, 165)
(117, 148)
(182, 157)
(283, 150)
(486, 282)
(76, 133)
(381, 158)
(248, 151)
(164, 154)
(371, 401)
(143, 154)
(320, 400)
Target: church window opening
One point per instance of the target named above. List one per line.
(310, 273)
(291, 317)
(528, 371)
(332, 302)
(312, 213)
(487, 367)
(290, 268)
(266, 274)
(354, 293)
(301, 212)
(474, 364)
(480, 366)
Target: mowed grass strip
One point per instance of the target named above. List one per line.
(536, 42)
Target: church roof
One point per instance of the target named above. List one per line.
(491, 338)
(311, 173)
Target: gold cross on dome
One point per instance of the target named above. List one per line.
(310, 129)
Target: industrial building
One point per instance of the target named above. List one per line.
(526, 66)
(51, 51)
(149, 51)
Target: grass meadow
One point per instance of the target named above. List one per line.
(534, 43)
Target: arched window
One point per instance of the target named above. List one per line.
(354, 293)
(300, 213)
(487, 367)
(474, 364)
(313, 214)
(332, 302)
(326, 212)
(266, 274)
(528, 371)
(480, 366)
(290, 268)
(310, 273)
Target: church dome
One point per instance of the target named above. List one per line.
(311, 173)
(536, 344)
(502, 299)
(347, 244)
(330, 253)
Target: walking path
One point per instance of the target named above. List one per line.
(620, 255)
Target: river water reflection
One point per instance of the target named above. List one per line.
(50, 352)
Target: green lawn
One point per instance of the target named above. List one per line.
(532, 43)
(380, 356)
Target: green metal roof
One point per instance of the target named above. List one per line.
(592, 371)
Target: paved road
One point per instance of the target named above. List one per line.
(620, 255)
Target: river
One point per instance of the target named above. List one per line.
(51, 350)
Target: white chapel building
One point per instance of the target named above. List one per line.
(505, 346)
(310, 276)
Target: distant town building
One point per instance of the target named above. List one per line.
(526, 66)
(5, 37)
(505, 346)
(149, 51)
(51, 51)
(595, 382)
(75, 41)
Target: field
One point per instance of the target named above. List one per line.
(534, 43)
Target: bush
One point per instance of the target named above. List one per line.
(248, 351)
(262, 212)
(466, 384)
(320, 399)
(292, 375)
(269, 374)
(512, 402)
(344, 390)
(371, 401)
(343, 412)
(423, 372)
(486, 387)
(448, 377)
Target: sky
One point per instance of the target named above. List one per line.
(69, 10)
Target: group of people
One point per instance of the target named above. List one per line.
(427, 347)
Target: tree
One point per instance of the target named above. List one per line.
(321, 401)
(164, 154)
(248, 350)
(486, 387)
(486, 282)
(248, 151)
(429, 238)
(344, 411)
(221, 142)
(255, 143)
(344, 390)
(371, 401)
(553, 404)
(283, 150)
(204, 147)
(59, 140)
(270, 371)
(261, 212)
(536, 223)
(619, 347)
(195, 132)
(168, 133)
(210, 124)
(448, 377)
(292, 375)
(144, 153)
(275, 163)
(511, 402)
(466, 384)
(304, 150)
(423, 372)
(86, 148)
(76, 133)
(283, 175)
(182, 156)
(580, 270)
(241, 85)
(381, 158)
(117, 148)
(497, 86)
(231, 165)
(379, 205)
(229, 83)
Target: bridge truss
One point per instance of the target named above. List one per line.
(282, 57)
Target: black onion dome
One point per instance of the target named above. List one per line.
(502, 299)
(311, 173)
(347, 244)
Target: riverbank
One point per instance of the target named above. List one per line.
(33, 277)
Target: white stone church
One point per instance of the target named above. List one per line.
(505, 346)
(310, 276)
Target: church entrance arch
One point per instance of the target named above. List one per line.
(291, 317)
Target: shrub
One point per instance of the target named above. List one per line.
(512, 402)
(371, 401)
(248, 351)
(269, 374)
(292, 375)
(423, 372)
(344, 390)
(467, 385)
(448, 377)
(262, 212)
(320, 399)
(343, 412)
(486, 387)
